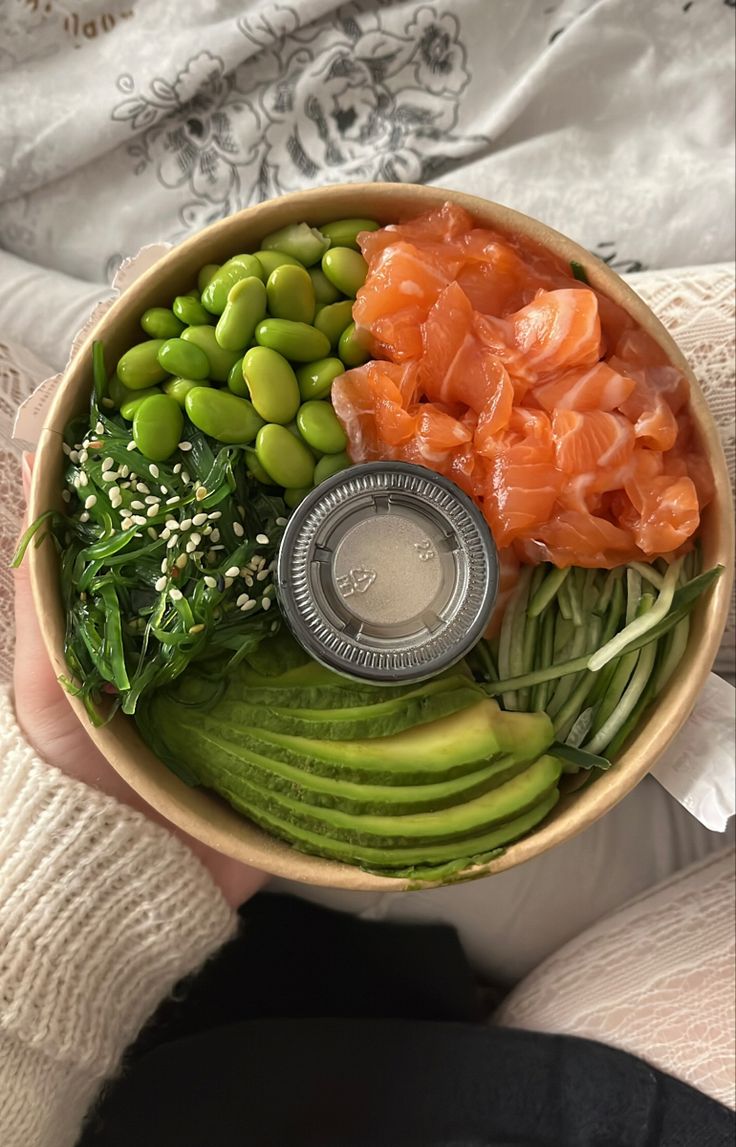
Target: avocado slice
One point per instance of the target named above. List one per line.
(385, 861)
(448, 824)
(205, 752)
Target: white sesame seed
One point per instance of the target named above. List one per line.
(141, 487)
(241, 510)
(74, 456)
(66, 496)
(75, 481)
(126, 513)
(128, 524)
(83, 456)
(66, 448)
(210, 582)
(281, 521)
(114, 491)
(215, 515)
(124, 485)
(116, 501)
(262, 539)
(200, 493)
(238, 530)
(139, 521)
(216, 548)
(83, 479)
(248, 581)
(228, 582)
(214, 534)
(185, 446)
(137, 505)
(185, 477)
(161, 584)
(152, 534)
(84, 516)
(150, 499)
(172, 524)
(175, 594)
(90, 502)
(110, 476)
(199, 519)
(241, 600)
(262, 575)
(107, 464)
(100, 428)
(191, 546)
(171, 543)
(177, 468)
(153, 510)
(172, 501)
(196, 538)
(186, 524)
(258, 561)
(153, 470)
(130, 446)
(249, 605)
(164, 565)
(165, 534)
(232, 571)
(181, 561)
(124, 471)
(265, 602)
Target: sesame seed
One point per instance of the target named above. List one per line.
(74, 456)
(185, 446)
(199, 519)
(185, 477)
(196, 538)
(124, 471)
(152, 534)
(215, 515)
(175, 594)
(241, 510)
(281, 521)
(257, 562)
(232, 571)
(128, 524)
(161, 584)
(248, 581)
(249, 605)
(114, 491)
(177, 468)
(214, 534)
(228, 581)
(210, 582)
(262, 539)
(238, 530)
(153, 470)
(139, 521)
(141, 487)
(150, 499)
(83, 479)
(265, 602)
(66, 495)
(90, 502)
(83, 456)
(110, 476)
(172, 524)
(186, 524)
(164, 565)
(241, 600)
(153, 510)
(196, 628)
(172, 501)
(116, 501)
(124, 485)
(181, 561)
(130, 446)
(262, 575)
(99, 428)
(165, 534)
(191, 546)
(107, 464)
(126, 513)
(66, 448)
(137, 505)
(171, 543)
(200, 493)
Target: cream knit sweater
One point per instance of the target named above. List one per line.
(101, 912)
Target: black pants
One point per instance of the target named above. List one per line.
(397, 1057)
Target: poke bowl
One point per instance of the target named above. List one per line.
(468, 342)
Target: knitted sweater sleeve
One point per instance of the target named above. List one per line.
(101, 912)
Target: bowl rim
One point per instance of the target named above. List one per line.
(213, 822)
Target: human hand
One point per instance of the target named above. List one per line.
(53, 729)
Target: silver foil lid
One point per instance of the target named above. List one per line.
(387, 572)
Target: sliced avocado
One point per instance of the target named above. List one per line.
(447, 824)
(384, 861)
(214, 761)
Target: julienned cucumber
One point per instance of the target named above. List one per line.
(604, 646)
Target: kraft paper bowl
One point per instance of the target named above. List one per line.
(200, 812)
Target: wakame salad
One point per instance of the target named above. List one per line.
(420, 342)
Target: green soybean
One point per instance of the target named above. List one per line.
(346, 269)
(354, 346)
(214, 296)
(319, 427)
(299, 240)
(315, 378)
(222, 415)
(184, 359)
(333, 319)
(139, 367)
(329, 465)
(244, 309)
(135, 397)
(294, 495)
(254, 467)
(206, 274)
(178, 388)
(190, 311)
(272, 384)
(157, 427)
(288, 461)
(220, 360)
(236, 384)
(161, 323)
(298, 342)
(291, 294)
(324, 292)
(344, 232)
(118, 393)
(270, 260)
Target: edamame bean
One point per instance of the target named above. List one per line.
(294, 495)
(157, 427)
(329, 465)
(222, 415)
(161, 323)
(214, 296)
(298, 342)
(206, 274)
(178, 388)
(135, 397)
(299, 240)
(319, 427)
(287, 460)
(294, 429)
(324, 292)
(254, 467)
(332, 320)
(117, 393)
(344, 232)
(190, 311)
(346, 269)
(236, 384)
(272, 384)
(184, 359)
(291, 294)
(139, 367)
(354, 346)
(245, 307)
(270, 260)
(220, 360)
(315, 378)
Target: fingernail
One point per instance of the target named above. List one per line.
(26, 469)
